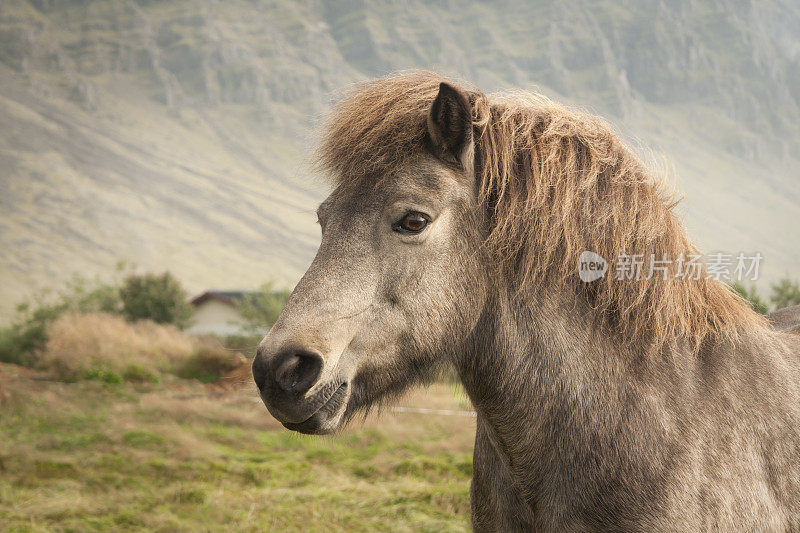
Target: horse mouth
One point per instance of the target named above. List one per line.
(326, 418)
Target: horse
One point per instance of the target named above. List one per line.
(453, 237)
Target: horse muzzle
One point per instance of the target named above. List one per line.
(291, 386)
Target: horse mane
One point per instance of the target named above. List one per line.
(555, 182)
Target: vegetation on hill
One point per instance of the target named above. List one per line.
(26, 336)
(83, 330)
(784, 293)
(263, 307)
(156, 297)
(129, 330)
(750, 294)
(105, 347)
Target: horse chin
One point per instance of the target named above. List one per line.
(328, 418)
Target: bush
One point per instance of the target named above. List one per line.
(209, 363)
(96, 297)
(139, 374)
(262, 309)
(785, 293)
(21, 342)
(245, 344)
(751, 295)
(104, 375)
(157, 297)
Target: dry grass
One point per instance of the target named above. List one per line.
(107, 345)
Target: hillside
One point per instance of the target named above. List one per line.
(175, 133)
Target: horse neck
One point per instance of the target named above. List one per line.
(541, 377)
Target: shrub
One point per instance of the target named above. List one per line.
(245, 344)
(26, 336)
(785, 293)
(92, 297)
(139, 374)
(104, 375)
(21, 342)
(209, 363)
(751, 295)
(262, 309)
(157, 297)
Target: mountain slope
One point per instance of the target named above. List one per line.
(176, 133)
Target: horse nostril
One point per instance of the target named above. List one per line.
(297, 371)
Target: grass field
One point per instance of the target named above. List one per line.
(183, 456)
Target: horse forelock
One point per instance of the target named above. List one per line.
(555, 182)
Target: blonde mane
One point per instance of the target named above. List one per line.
(555, 182)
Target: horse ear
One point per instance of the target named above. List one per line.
(450, 126)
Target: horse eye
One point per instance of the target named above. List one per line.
(412, 222)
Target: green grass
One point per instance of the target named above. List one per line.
(89, 456)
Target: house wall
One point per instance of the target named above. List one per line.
(213, 316)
